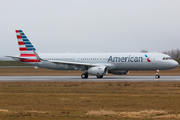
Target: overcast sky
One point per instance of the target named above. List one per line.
(91, 25)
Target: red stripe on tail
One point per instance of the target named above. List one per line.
(19, 37)
(22, 49)
(30, 60)
(20, 43)
(27, 55)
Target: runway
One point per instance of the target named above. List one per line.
(90, 79)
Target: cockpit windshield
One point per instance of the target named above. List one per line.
(167, 58)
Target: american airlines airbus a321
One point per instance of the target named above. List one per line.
(98, 64)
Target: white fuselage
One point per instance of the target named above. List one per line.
(113, 61)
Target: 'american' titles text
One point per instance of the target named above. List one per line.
(125, 59)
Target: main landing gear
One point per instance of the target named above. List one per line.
(157, 75)
(99, 76)
(84, 76)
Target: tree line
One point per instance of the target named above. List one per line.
(174, 53)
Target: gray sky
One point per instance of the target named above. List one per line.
(91, 25)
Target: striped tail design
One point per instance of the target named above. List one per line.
(25, 47)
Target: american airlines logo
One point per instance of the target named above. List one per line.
(147, 58)
(125, 59)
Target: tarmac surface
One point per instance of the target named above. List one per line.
(90, 79)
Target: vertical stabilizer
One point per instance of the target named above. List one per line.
(25, 47)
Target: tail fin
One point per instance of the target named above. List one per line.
(25, 46)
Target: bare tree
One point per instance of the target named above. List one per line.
(144, 51)
(174, 53)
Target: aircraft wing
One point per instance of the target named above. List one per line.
(65, 62)
(71, 63)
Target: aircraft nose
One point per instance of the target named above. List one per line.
(174, 63)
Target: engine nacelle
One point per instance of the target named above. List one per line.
(97, 71)
(119, 72)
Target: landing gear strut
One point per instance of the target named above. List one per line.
(157, 75)
(84, 76)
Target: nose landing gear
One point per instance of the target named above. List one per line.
(157, 76)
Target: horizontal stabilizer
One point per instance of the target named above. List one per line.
(20, 58)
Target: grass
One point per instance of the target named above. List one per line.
(12, 63)
(89, 100)
(139, 114)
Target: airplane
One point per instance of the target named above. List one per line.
(98, 64)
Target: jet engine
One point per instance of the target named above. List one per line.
(97, 71)
(119, 72)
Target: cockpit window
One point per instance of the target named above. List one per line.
(167, 58)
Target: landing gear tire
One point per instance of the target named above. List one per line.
(84, 76)
(157, 76)
(99, 76)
